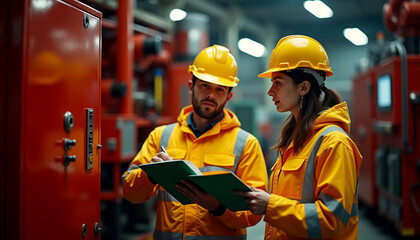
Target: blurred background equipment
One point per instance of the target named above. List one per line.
(385, 120)
(136, 58)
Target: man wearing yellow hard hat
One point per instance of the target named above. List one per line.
(209, 135)
(314, 183)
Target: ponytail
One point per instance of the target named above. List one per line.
(331, 97)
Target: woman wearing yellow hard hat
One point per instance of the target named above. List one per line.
(314, 182)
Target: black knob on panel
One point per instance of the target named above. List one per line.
(84, 230)
(68, 159)
(68, 143)
(97, 230)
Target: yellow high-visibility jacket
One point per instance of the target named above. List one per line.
(316, 196)
(224, 146)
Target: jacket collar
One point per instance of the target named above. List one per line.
(228, 121)
(337, 115)
(195, 130)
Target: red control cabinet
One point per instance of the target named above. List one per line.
(51, 133)
(362, 114)
(397, 173)
(390, 173)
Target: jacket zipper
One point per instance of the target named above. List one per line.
(281, 168)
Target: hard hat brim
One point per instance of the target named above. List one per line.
(214, 79)
(268, 73)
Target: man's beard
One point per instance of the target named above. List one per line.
(201, 111)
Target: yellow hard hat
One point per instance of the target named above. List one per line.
(215, 65)
(296, 51)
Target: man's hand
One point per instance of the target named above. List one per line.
(160, 157)
(256, 200)
(197, 195)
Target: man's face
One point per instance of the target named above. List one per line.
(209, 99)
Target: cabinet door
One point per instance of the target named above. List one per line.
(62, 54)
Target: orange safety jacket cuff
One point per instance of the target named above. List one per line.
(146, 181)
(270, 213)
(226, 216)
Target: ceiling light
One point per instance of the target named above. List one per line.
(356, 36)
(177, 14)
(251, 47)
(318, 8)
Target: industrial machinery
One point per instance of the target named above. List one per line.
(50, 116)
(386, 129)
(140, 90)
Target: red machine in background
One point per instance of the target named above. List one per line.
(141, 89)
(50, 120)
(386, 130)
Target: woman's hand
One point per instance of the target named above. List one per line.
(256, 200)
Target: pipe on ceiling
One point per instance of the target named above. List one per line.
(221, 13)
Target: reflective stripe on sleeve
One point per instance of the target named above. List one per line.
(336, 207)
(131, 168)
(312, 221)
(308, 180)
(164, 139)
(239, 147)
(159, 235)
(165, 196)
(355, 208)
(213, 169)
(311, 214)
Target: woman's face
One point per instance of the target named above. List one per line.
(285, 94)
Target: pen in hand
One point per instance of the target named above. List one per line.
(162, 149)
(165, 158)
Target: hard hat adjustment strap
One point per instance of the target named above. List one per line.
(316, 75)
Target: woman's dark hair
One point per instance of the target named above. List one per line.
(299, 129)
